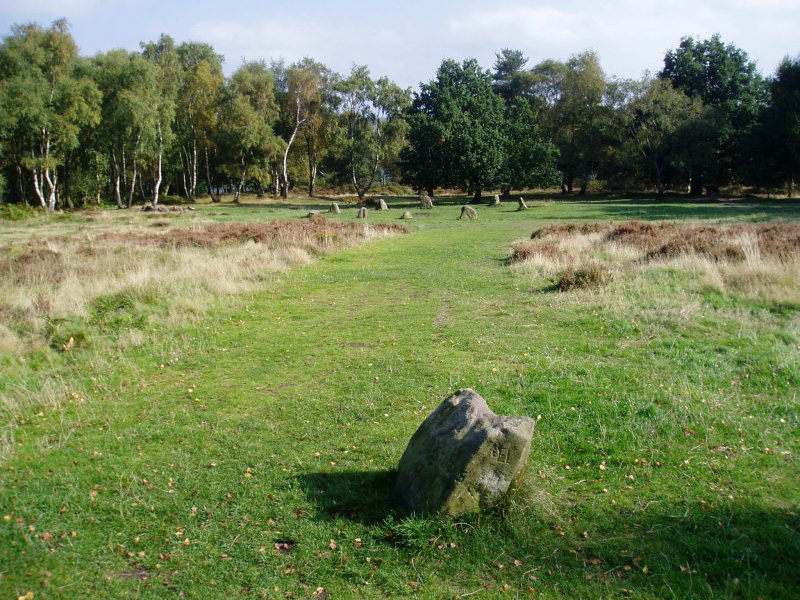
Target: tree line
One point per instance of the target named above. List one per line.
(127, 126)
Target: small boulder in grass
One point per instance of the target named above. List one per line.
(469, 212)
(463, 458)
(382, 204)
(362, 212)
(407, 215)
(522, 204)
(495, 201)
(335, 208)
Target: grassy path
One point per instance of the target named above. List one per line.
(257, 458)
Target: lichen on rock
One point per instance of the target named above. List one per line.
(463, 458)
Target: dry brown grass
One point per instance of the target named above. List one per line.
(670, 240)
(316, 233)
(759, 260)
(183, 270)
(587, 274)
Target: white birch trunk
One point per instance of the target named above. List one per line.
(135, 172)
(285, 176)
(241, 182)
(51, 183)
(38, 188)
(184, 167)
(157, 184)
(133, 185)
(117, 193)
(208, 178)
(194, 166)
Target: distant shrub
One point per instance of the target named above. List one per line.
(273, 234)
(118, 312)
(18, 212)
(570, 229)
(781, 240)
(665, 240)
(39, 266)
(67, 334)
(641, 235)
(705, 243)
(392, 189)
(584, 276)
(544, 250)
(170, 199)
(110, 303)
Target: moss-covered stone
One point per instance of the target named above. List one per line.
(463, 458)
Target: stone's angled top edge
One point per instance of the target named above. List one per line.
(463, 393)
(517, 419)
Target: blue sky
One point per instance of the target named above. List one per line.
(406, 40)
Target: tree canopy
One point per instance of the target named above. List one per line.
(456, 124)
(126, 126)
(725, 79)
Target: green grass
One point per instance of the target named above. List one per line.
(251, 452)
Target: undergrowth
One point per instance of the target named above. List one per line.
(758, 260)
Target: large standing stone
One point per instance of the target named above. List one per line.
(522, 204)
(362, 212)
(495, 201)
(335, 208)
(468, 211)
(382, 204)
(463, 458)
(425, 201)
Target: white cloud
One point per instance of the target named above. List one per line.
(53, 8)
(630, 36)
(545, 24)
(408, 41)
(292, 39)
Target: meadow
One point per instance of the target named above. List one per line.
(209, 404)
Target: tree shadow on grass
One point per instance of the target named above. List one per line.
(742, 550)
(677, 209)
(745, 551)
(359, 496)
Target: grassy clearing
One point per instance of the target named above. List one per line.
(248, 450)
